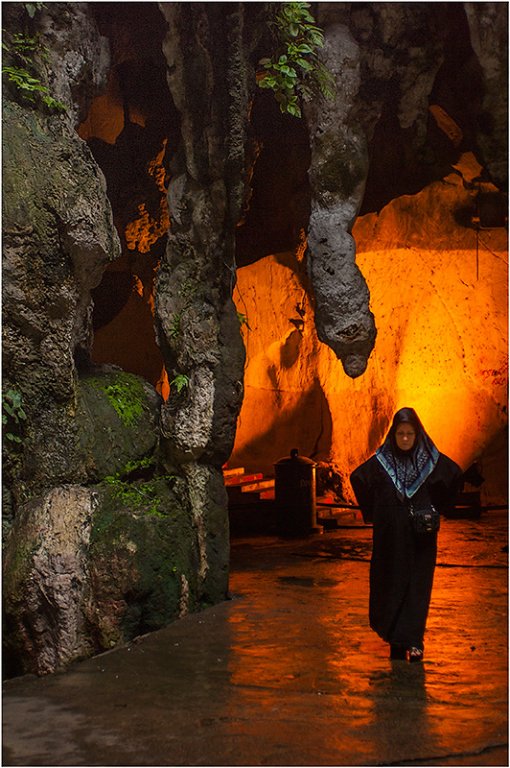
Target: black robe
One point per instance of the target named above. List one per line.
(402, 564)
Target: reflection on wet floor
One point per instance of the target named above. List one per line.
(396, 708)
(288, 672)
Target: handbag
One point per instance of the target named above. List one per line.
(424, 520)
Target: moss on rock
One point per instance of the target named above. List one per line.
(143, 560)
(118, 421)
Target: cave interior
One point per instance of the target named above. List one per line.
(133, 131)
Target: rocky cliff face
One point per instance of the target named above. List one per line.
(126, 217)
(118, 512)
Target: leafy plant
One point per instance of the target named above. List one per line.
(13, 415)
(180, 382)
(21, 70)
(31, 86)
(295, 72)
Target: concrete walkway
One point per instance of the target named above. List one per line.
(287, 672)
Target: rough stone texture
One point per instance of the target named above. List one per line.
(338, 169)
(488, 25)
(78, 57)
(143, 559)
(83, 423)
(87, 568)
(58, 238)
(197, 324)
(392, 61)
(198, 328)
(117, 422)
(46, 583)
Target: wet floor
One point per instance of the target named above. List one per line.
(287, 672)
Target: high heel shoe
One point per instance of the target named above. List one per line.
(415, 654)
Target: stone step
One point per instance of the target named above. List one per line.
(232, 472)
(243, 480)
(262, 485)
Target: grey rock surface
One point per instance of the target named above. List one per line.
(339, 165)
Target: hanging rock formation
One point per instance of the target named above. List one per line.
(338, 170)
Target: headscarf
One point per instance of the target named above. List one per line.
(408, 470)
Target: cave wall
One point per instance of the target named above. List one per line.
(442, 345)
(411, 142)
(117, 516)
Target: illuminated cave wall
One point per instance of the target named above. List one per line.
(440, 302)
(428, 86)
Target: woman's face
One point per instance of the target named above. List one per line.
(405, 436)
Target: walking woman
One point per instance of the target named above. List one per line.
(401, 490)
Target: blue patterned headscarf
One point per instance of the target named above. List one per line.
(408, 470)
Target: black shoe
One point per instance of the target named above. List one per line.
(398, 652)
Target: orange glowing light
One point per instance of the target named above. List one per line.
(439, 297)
(106, 118)
(143, 232)
(138, 285)
(157, 170)
(162, 385)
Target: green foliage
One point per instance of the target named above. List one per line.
(175, 326)
(294, 72)
(125, 395)
(30, 87)
(180, 382)
(135, 495)
(243, 320)
(188, 288)
(21, 69)
(13, 415)
(143, 496)
(136, 466)
(125, 402)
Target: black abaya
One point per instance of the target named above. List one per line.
(402, 565)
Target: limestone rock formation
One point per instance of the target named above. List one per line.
(338, 170)
(85, 439)
(46, 581)
(58, 238)
(198, 329)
